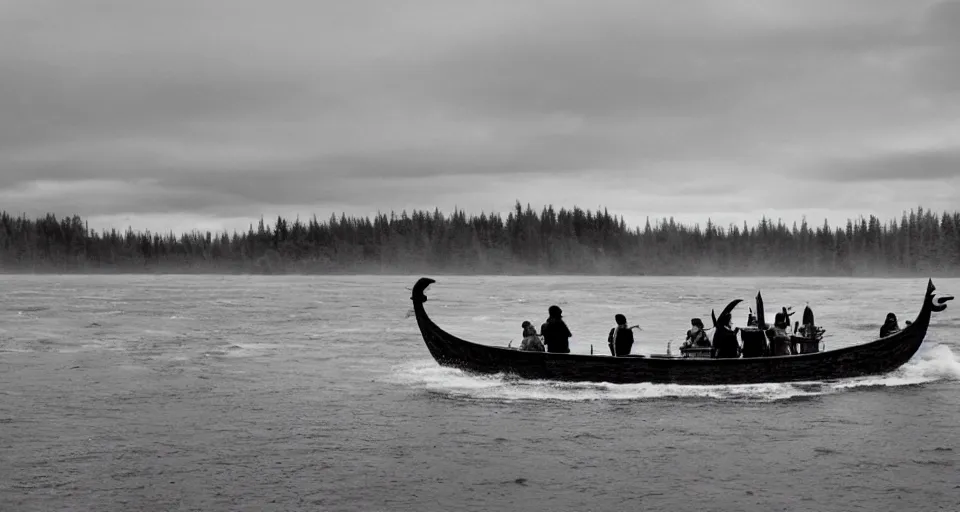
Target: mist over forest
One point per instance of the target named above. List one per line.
(524, 241)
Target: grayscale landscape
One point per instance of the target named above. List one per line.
(214, 215)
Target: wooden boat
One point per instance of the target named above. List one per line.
(877, 357)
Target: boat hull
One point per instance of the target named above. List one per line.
(877, 357)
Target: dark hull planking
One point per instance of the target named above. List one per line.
(877, 357)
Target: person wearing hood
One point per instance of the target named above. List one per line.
(808, 328)
(697, 335)
(620, 338)
(725, 343)
(889, 326)
(556, 335)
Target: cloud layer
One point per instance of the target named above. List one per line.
(235, 108)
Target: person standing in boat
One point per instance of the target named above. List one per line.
(556, 335)
(620, 338)
(531, 341)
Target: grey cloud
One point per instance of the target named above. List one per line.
(922, 165)
(303, 102)
(112, 198)
(617, 70)
(940, 23)
(935, 50)
(44, 105)
(236, 197)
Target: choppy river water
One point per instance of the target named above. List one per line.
(317, 393)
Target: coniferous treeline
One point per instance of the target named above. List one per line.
(550, 241)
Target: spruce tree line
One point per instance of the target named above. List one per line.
(573, 241)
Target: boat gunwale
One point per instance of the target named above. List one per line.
(902, 333)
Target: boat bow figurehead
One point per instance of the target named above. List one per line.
(940, 304)
(418, 296)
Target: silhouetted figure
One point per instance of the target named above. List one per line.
(725, 343)
(620, 338)
(808, 328)
(556, 335)
(889, 326)
(787, 313)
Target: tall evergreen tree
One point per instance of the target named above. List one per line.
(551, 240)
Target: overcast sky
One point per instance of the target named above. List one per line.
(181, 114)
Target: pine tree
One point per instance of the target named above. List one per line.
(551, 240)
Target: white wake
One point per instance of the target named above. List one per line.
(931, 364)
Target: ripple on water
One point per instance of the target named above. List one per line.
(114, 405)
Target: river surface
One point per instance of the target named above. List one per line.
(263, 393)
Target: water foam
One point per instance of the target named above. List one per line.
(933, 364)
(929, 365)
(426, 374)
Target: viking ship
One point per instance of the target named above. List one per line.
(873, 358)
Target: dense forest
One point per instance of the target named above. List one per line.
(573, 241)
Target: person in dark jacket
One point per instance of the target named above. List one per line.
(780, 344)
(725, 343)
(697, 335)
(620, 338)
(556, 335)
(889, 326)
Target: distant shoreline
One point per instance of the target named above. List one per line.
(525, 243)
